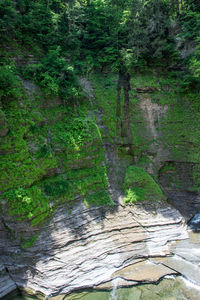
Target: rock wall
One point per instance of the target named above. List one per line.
(89, 246)
(76, 244)
(169, 131)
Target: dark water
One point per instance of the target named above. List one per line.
(17, 296)
(172, 288)
(167, 289)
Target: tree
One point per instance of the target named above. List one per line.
(149, 30)
(8, 19)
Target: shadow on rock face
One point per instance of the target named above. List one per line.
(177, 181)
(194, 223)
(84, 248)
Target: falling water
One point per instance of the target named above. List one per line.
(115, 284)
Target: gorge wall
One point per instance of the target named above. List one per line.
(64, 224)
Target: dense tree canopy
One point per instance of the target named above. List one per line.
(102, 34)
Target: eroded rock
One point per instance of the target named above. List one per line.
(86, 247)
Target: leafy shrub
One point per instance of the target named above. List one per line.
(54, 74)
(26, 203)
(8, 18)
(9, 84)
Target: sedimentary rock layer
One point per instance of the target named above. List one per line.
(85, 247)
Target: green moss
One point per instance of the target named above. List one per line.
(140, 186)
(21, 167)
(101, 197)
(82, 173)
(26, 203)
(144, 160)
(106, 95)
(168, 168)
(181, 129)
(56, 187)
(44, 141)
(145, 79)
(196, 176)
(33, 152)
(26, 243)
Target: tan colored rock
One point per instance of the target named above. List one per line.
(144, 271)
(119, 282)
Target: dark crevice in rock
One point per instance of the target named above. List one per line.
(180, 184)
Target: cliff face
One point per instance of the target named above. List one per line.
(86, 247)
(64, 225)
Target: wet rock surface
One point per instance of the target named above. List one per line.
(176, 179)
(145, 271)
(7, 285)
(194, 223)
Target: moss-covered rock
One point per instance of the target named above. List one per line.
(140, 186)
(51, 156)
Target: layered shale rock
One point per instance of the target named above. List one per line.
(87, 247)
(7, 285)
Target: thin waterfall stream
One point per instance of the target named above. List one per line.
(113, 293)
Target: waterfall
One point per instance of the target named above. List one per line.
(113, 294)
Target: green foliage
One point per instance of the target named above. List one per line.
(10, 87)
(19, 167)
(35, 150)
(8, 19)
(98, 34)
(149, 34)
(189, 35)
(36, 24)
(99, 198)
(190, 24)
(99, 42)
(194, 62)
(26, 243)
(26, 203)
(55, 75)
(140, 186)
(105, 92)
(56, 187)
